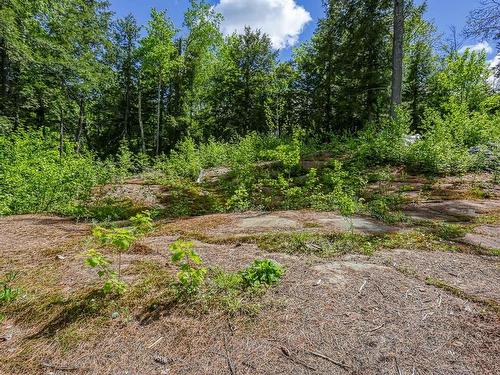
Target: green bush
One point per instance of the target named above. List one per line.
(262, 272)
(33, 178)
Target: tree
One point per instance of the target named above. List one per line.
(239, 87)
(420, 63)
(397, 55)
(484, 22)
(158, 59)
(344, 72)
(126, 36)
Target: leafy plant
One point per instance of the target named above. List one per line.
(142, 223)
(7, 292)
(262, 272)
(120, 240)
(239, 201)
(98, 261)
(191, 275)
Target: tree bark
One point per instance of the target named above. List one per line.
(81, 125)
(141, 126)
(397, 56)
(61, 133)
(158, 116)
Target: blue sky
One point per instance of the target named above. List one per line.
(290, 21)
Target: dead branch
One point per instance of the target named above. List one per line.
(230, 364)
(288, 355)
(340, 364)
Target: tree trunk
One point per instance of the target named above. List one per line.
(397, 56)
(127, 109)
(61, 133)
(158, 116)
(3, 75)
(141, 126)
(81, 125)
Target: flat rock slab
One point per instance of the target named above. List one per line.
(140, 194)
(37, 232)
(267, 222)
(486, 236)
(451, 210)
(262, 222)
(476, 275)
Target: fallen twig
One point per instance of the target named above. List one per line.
(340, 364)
(156, 342)
(59, 368)
(377, 328)
(362, 286)
(288, 355)
(230, 364)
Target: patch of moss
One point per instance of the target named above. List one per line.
(488, 303)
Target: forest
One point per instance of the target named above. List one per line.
(77, 80)
(171, 188)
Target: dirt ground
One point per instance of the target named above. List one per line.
(398, 311)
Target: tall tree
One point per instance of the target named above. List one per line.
(126, 36)
(239, 87)
(158, 60)
(419, 61)
(397, 55)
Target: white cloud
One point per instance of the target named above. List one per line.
(282, 20)
(478, 47)
(493, 80)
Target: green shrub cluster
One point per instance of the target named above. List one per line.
(34, 178)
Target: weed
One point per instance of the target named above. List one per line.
(191, 275)
(262, 272)
(7, 292)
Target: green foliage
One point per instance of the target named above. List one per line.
(385, 142)
(120, 240)
(7, 292)
(191, 275)
(239, 201)
(142, 223)
(262, 272)
(112, 283)
(35, 179)
(288, 154)
(111, 209)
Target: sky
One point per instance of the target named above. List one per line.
(288, 22)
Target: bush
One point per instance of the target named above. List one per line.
(262, 272)
(385, 142)
(35, 179)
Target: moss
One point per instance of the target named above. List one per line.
(457, 292)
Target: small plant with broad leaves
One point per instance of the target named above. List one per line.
(7, 292)
(191, 275)
(112, 283)
(142, 223)
(120, 240)
(262, 272)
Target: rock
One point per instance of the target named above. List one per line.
(411, 139)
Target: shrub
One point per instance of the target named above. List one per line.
(120, 240)
(191, 275)
(35, 179)
(262, 272)
(7, 292)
